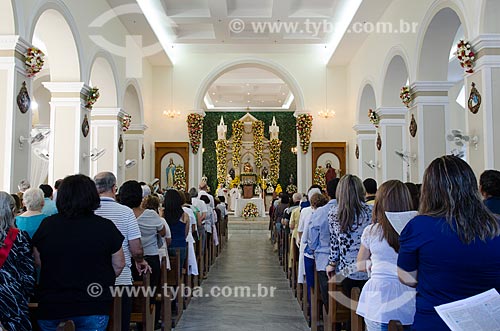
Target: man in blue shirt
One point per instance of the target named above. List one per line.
(318, 241)
(49, 207)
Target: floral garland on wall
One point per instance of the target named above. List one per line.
(405, 96)
(180, 178)
(374, 117)
(34, 61)
(126, 121)
(274, 151)
(304, 129)
(92, 98)
(466, 56)
(221, 147)
(319, 177)
(258, 142)
(237, 136)
(195, 130)
(250, 211)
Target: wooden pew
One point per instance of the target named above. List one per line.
(200, 260)
(337, 313)
(165, 298)
(187, 281)
(357, 322)
(174, 280)
(316, 304)
(305, 303)
(295, 270)
(115, 317)
(143, 308)
(66, 326)
(395, 326)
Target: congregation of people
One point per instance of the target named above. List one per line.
(448, 252)
(55, 244)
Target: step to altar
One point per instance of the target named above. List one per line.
(240, 224)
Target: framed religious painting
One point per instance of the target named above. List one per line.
(23, 99)
(329, 158)
(475, 99)
(169, 156)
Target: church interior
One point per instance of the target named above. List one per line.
(253, 105)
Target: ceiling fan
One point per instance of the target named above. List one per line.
(95, 154)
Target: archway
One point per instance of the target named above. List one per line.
(102, 75)
(396, 77)
(367, 101)
(7, 18)
(132, 104)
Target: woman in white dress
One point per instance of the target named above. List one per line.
(384, 297)
(192, 265)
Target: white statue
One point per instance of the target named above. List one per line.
(221, 129)
(274, 130)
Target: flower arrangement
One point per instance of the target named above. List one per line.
(235, 182)
(258, 142)
(92, 98)
(195, 130)
(374, 117)
(237, 135)
(34, 61)
(180, 178)
(304, 128)
(319, 177)
(250, 211)
(126, 121)
(278, 189)
(274, 152)
(291, 189)
(466, 56)
(248, 182)
(221, 147)
(405, 96)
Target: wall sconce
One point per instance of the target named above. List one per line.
(294, 150)
(171, 113)
(327, 114)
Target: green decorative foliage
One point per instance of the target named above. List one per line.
(285, 120)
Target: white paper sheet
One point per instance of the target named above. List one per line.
(479, 313)
(399, 220)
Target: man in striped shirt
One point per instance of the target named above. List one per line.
(124, 219)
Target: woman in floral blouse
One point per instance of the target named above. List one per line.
(347, 222)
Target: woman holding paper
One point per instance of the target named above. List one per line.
(383, 297)
(451, 251)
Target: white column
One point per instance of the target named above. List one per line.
(15, 164)
(486, 123)
(195, 160)
(134, 144)
(430, 108)
(366, 137)
(393, 131)
(304, 163)
(67, 144)
(105, 133)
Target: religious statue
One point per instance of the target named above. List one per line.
(221, 130)
(264, 173)
(247, 168)
(291, 180)
(330, 172)
(232, 173)
(170, 173)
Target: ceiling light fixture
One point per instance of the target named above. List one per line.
(326, 113)
(172, 113)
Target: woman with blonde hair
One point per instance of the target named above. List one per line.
(451, 251)
(379, 245)
(347, 222)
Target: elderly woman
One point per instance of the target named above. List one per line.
(17, 270)
(29, 221)
(65, 246)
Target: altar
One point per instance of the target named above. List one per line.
(241, 203)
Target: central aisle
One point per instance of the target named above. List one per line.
(247, 260)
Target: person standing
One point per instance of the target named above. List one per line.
(370, 185)
(49, 205)
(489, 186)
(124, 219)
(31, 219)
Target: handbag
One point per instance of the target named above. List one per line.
(7, 245)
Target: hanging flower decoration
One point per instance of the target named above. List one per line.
(34, 61)
(405, 96)
(274, 153)
(258, 142)
(237, 136)
(126, 121)
(235, 182)
(278, 189)
(319, 177)
(291, 189)
(466, 56)
(250, 211)
(221, 147)
(374, 117)
(92, 98)
(180, 178)
(304, 128)
(195, 130)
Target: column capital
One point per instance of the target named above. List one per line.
(115, 113)
(138, 127)
(487, 49)
(14, 43)
(364, 129)
(392, 112)
(431, 92)
(67, 89)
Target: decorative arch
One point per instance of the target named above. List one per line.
(489, 17)
(395, 76)
(103, 74)
(8, 23)
(367, 100)
(435, 39)
(268, 65)
(132, 101)
(57, 29)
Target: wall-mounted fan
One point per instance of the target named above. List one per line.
(95, 154)
(42, 154)
(371, 164)
(405, 156)
(130, 163)
(460, 139)
(458, 153)
(34, 138)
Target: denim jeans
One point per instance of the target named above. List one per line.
(376, 326)
(82, 323)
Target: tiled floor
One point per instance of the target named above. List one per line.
(248, 260)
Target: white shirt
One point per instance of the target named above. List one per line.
(305, 231)
(202, 207)
(212, 204)
(125, 221)
(384, 298)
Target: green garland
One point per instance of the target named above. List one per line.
(274, 151)
(221, 147)
(258, 144)
(237, 136)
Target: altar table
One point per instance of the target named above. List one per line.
(241, 203)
